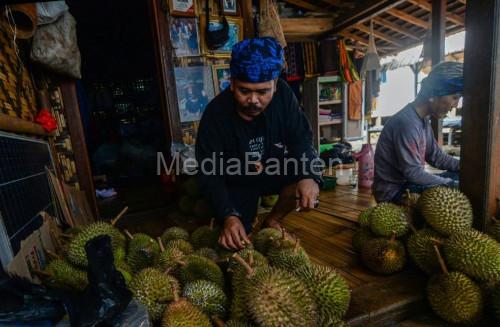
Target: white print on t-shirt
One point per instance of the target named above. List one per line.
(256, 147)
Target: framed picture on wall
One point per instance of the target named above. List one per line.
(185, 37)
(230, 7)
(222, 77)
(195, 89)
(182, 8)
(235, 35)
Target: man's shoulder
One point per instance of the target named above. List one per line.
(221, 105)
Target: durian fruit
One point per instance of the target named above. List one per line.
(263, 238)
(475, 254)
(335, 322)
(329, 289)
(186, 205)
(208, 253)
(387, 218)
(360, 237)
(250, 255)
(205, 236)
(182, 245)
(238, 323)
(277, 298)
(207, 296)
(168, 259)
(174, 233)
(193, 268)
(384, 256)
(125, 270)
(447, 210)
(269, 201)
(153, 288)
(494, 229)
(190, 187)
(495, 301)
(411, 199)
(454, 297)
(142, 252)
(76, 249)
(119, 254)
(420, 246)
(181, 313)
(60, 274)
(287, 254)
(364, 217)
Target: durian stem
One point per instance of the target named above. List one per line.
(283, 234)
(181, 263)
(67, 236)
(408, 203)
(119, 216)
(42, 273)
(250, 258)
(435, 240)
(413, 229)
(128, 234)
(52, 254)
(218, 322)
(175, 291)
(163, 300)
(212, 222)
(162, 248)
(297, 245)
(440, 259)
(242, 262)
(393, 237)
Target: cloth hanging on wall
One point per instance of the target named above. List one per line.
(269, 23)
(329, 57)
(347, 69)
(295, 62)
(355, 100)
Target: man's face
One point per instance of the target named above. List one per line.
(440, 106)
(252, 98)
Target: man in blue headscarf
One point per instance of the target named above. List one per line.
(254, 140)
(407, 141)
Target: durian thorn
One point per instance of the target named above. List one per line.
(393, 237)
(128, 234)
(160, 243)
(119, 216)
(297, 245)
(218, 322)
(242, 262)
(413, 229)
(51, 254)
(168, 270)
(283, 234)
(250, 258)
(42, 273)
(212, 222)
(440, 259)
(181, 263)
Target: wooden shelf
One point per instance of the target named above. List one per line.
(331, 122)
(330, 102)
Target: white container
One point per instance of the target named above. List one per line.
(343, 176)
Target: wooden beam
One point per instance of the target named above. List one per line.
(480, 154)
(306, 5)
(364, 13)
(13, 124)
(341, 3)
(306, 26)
(247, 13)
(408, 18)
(395, 27)
(424, 4)
(437, 49)
(354, 37)
(378, 34)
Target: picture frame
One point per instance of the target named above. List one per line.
(222, 77)
(195, 89)
(235, 31)
(185, 37)
(186, 8)
(230, 7)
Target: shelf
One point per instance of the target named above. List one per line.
(329, 79)
(330, 122)
(330, 102)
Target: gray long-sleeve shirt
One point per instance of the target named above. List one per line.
(405, 145)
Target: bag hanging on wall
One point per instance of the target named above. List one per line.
(55, 47)
(216, 39)
(269, 23)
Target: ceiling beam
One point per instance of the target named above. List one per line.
(311, 26)
(408, 18)
(424, 4)
(370, 9)
(306, 5)
(354, 37)
(341, 3)
(395, 27)
(378, 34)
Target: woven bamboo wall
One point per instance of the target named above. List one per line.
(17, 94)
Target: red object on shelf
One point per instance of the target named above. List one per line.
(45, 118)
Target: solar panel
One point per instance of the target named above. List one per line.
(24, 190)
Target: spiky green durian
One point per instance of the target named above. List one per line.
(193, 268)
(364, 217)
(142, 252)
(182, 313)
(475, 254)
(207, 296)
(174, 233)
(387, 218)
(264, 237)
(421, 250)
(494, 229)
(208, 253)
(360, 237)
(447, 210)
(182, 245)
(205, 237)
(65, 276)
(384, 256)
(153, 288)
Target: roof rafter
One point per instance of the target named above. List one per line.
(395, 27)
(424, 4)
(378, 34)
(409, 18)
(305, 5)
(354, 37)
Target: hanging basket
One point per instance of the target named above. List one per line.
(25, 19)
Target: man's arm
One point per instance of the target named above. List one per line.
(410, 161)
(437, 158)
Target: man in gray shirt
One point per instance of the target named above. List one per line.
(407, 141)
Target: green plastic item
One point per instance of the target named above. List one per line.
(329, 182)
(325, 147)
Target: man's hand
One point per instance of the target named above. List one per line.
(233, 233)
(307, 192)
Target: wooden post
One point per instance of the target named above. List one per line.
(247, 13)
(480, 153)
(82, 162)
(438, 36)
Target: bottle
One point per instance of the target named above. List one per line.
(366, 166)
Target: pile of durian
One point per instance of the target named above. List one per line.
(186, 280)
(435, 231)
